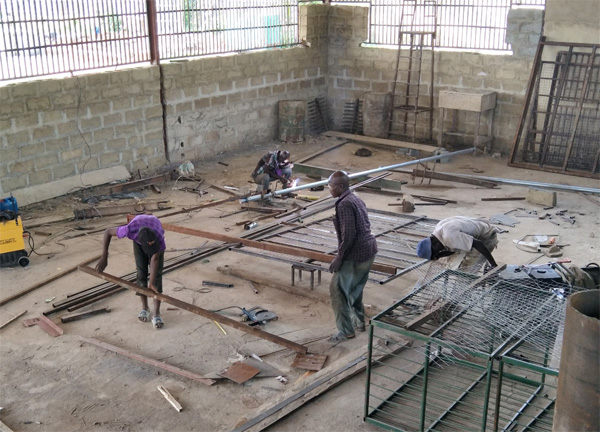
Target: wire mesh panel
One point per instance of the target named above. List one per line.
(466, 353)
(560, 129)
(43, 37)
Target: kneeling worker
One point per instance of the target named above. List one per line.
(275, 165)
(460, 233)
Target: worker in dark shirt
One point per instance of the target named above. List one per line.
(356, 252)
(275, 165)
(148, 237)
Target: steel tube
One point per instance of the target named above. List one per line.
(359, 174)
(558, 187)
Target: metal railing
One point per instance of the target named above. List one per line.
(45, 37)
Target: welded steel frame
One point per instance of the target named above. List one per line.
(556, 131)
(404, 264)
(493, 374)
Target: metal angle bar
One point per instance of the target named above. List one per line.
(197, 310)
(360, 174)
(520, 411)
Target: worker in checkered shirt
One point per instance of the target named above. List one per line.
(356, 252)
(149, 246)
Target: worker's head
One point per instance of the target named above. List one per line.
(432, 249)
(424, 248)
(148, 241)
(283, 156)
(338, 183)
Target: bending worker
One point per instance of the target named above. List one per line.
(460, 233)
(148, 237)
(275, 165)
(356, 252)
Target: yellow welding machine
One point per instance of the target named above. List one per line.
(12, 245)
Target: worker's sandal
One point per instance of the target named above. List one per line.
(144, 316)
(157, 322)
(340, 337)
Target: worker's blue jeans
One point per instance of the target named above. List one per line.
(346, 290)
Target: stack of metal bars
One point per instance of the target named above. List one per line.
(484, 354)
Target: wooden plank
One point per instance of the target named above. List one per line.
(75, 317)
(156, 363)
(47, 281)
(168, 396)
(320, 172)
(424, 317)
(271, 247)
(197, 310)
(49, 327)
(140, 183)
(383, 141)
(312, 362)
(16, 317)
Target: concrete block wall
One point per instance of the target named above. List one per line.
(355, 70)
(56, 128)
(227, 102)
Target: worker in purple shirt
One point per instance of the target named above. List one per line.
(356, 252)
(148, 237)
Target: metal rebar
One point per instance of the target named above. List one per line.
(359, 174)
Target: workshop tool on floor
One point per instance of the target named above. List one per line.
(258, 316)
(217, 284)
(12, 245)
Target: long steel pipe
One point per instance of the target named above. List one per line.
(360, 174)
(526, 183)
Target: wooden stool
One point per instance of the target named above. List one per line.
(312, 270)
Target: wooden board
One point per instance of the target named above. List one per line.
(311, 362)
(239, 372)
(382, 141)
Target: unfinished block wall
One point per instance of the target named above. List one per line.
(61, 127)
(227, 102)
(355, 70)
(56, 128)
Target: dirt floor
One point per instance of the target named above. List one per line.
(64, 384)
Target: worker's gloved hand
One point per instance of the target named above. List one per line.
(335, 265)
(102, 263)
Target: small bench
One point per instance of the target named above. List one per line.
(310, 269)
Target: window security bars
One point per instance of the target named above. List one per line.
(44, 37)
(461, 24)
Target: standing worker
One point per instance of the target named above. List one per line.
(460, 233)
(148, 237)
(356, 252)
(275, 165)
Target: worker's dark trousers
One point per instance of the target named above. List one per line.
(346, 290)
(265, 179)
(142, 264)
